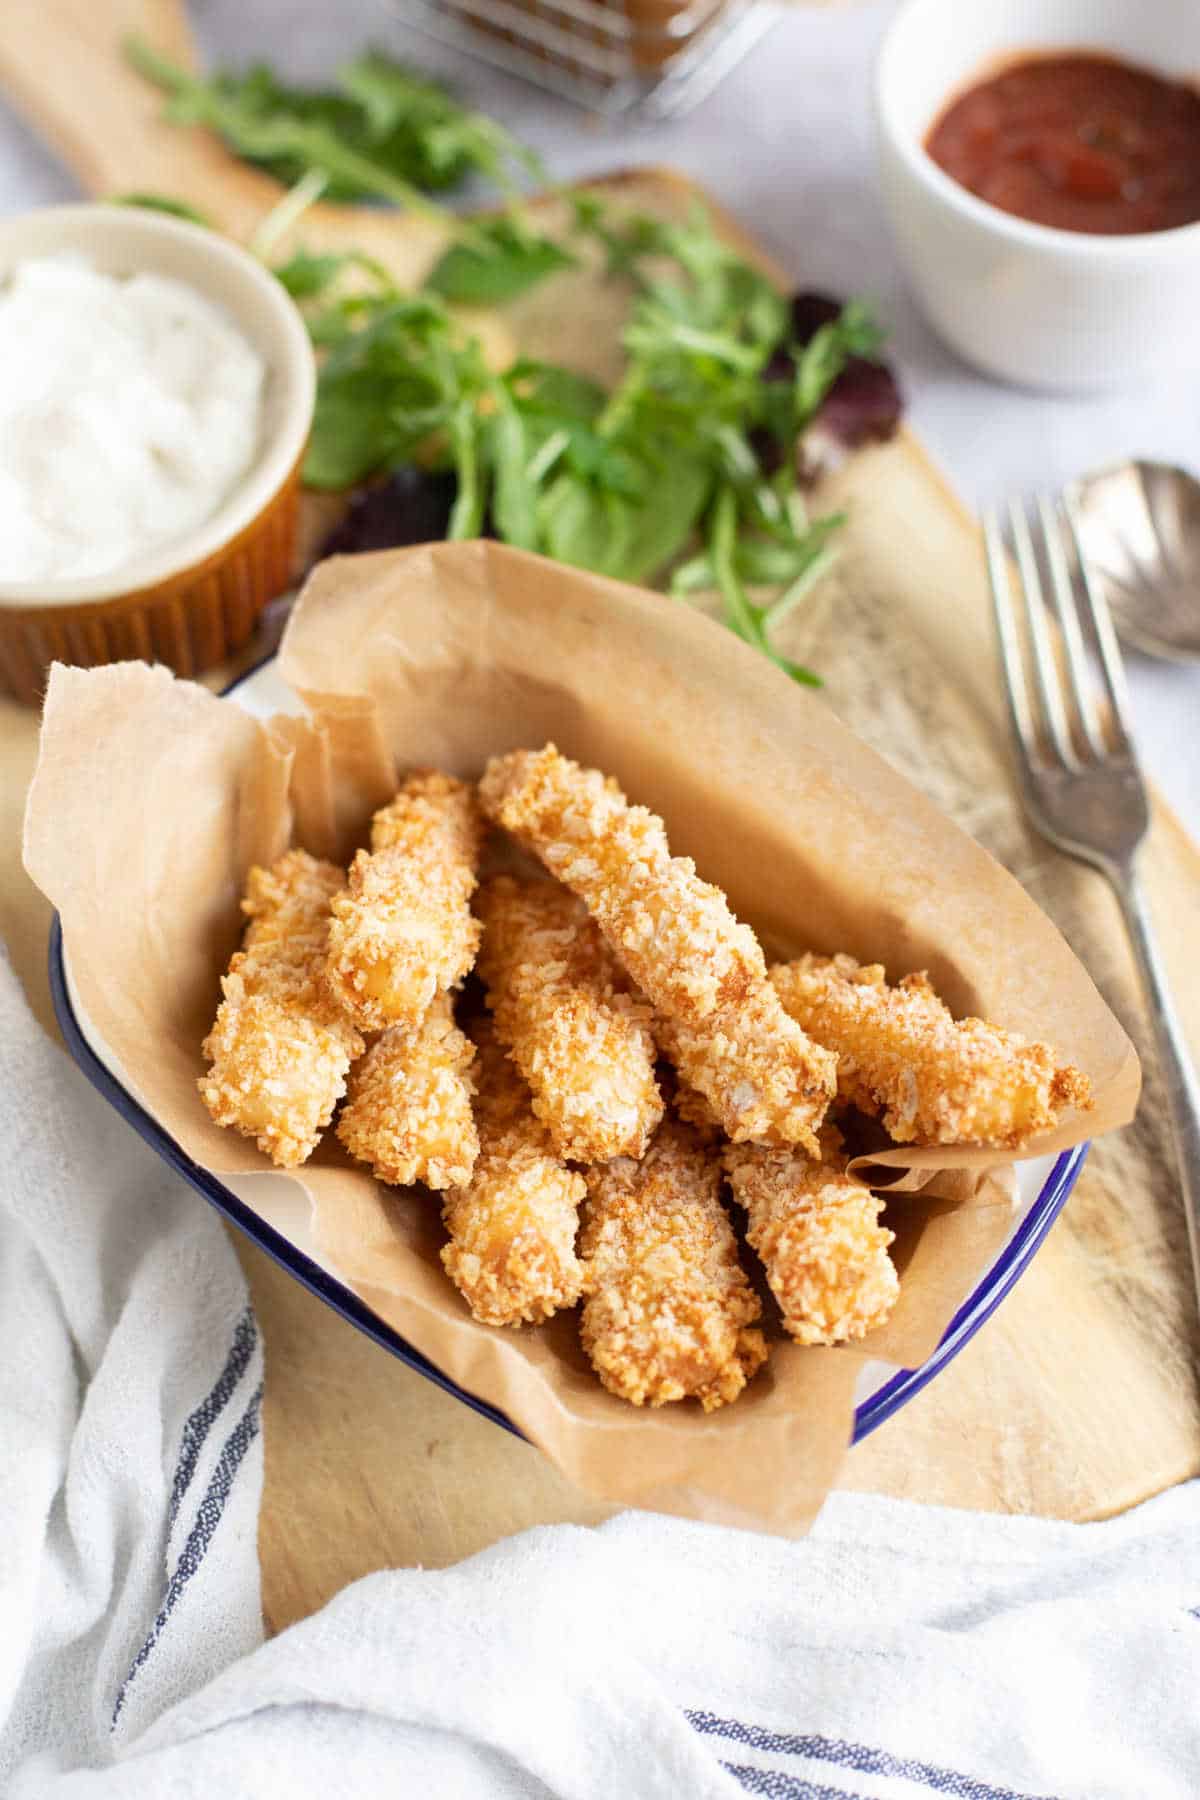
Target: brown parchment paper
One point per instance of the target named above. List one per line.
(151, 799)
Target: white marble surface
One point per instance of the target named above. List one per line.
(786, 144)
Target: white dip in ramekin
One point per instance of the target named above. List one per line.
(129, 410)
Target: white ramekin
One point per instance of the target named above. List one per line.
(1029, 303)
(192, 602)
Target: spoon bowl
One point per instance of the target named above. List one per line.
(1139, 530)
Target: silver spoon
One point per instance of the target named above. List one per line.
(1139, 529)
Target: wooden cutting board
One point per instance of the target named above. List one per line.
(1080, 1396)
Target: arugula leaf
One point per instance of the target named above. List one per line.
(751, 623)
(501, 261)
(388, 94)
(386, 133)
(163, 203)
(285, 132)
(559, 410)
(514, 503)
(453, 139)
(794, 566)
(307, 274)
(466, 515)
(388, 390)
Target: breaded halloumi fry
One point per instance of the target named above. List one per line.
(676, 937)
(673, 932)
(760, 1083)
(582, 1043)
(409, 1108)
(668, 1312)
(817, 1233)
(933, 1078)
(403, 929)
(281, 1045)
(512, 1226)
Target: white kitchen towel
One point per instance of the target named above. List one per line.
(130, 1456)
(899, 1652)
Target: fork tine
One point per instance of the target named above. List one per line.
(1044, 666)
(1106, 639)
(1016, 692)
(1068, 619)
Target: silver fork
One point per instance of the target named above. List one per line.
(1079, 775)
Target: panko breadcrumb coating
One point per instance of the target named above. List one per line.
(676, 936)
(669, 1313)
(817, 1233)
(762, 1079)
(673, 932)
(281, 1045)
(409, 1108)
(512, 1226)
(933, 1078)
(580, 1041)
(403, 929)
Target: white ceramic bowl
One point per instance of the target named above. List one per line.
(1029, 303)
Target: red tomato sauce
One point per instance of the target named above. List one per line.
(1081, 142)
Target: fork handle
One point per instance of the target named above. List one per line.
(1178, 1072)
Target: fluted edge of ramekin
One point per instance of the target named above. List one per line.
(192, 621)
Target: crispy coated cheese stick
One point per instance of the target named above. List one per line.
(408, 1113)
(817, 1233)
(677, 938)
(668, 1313)
(582, 1044)
(403, 929)
(512, 1226)
(673, 932)
(933, 1078)
(281, 1045)
(759, 1082)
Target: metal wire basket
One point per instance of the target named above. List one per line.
(659, 57)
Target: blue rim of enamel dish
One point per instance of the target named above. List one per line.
(900, 1388)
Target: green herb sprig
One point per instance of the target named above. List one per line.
(385, 133)
(658, 479)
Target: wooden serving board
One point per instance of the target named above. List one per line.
(1081, 1396)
